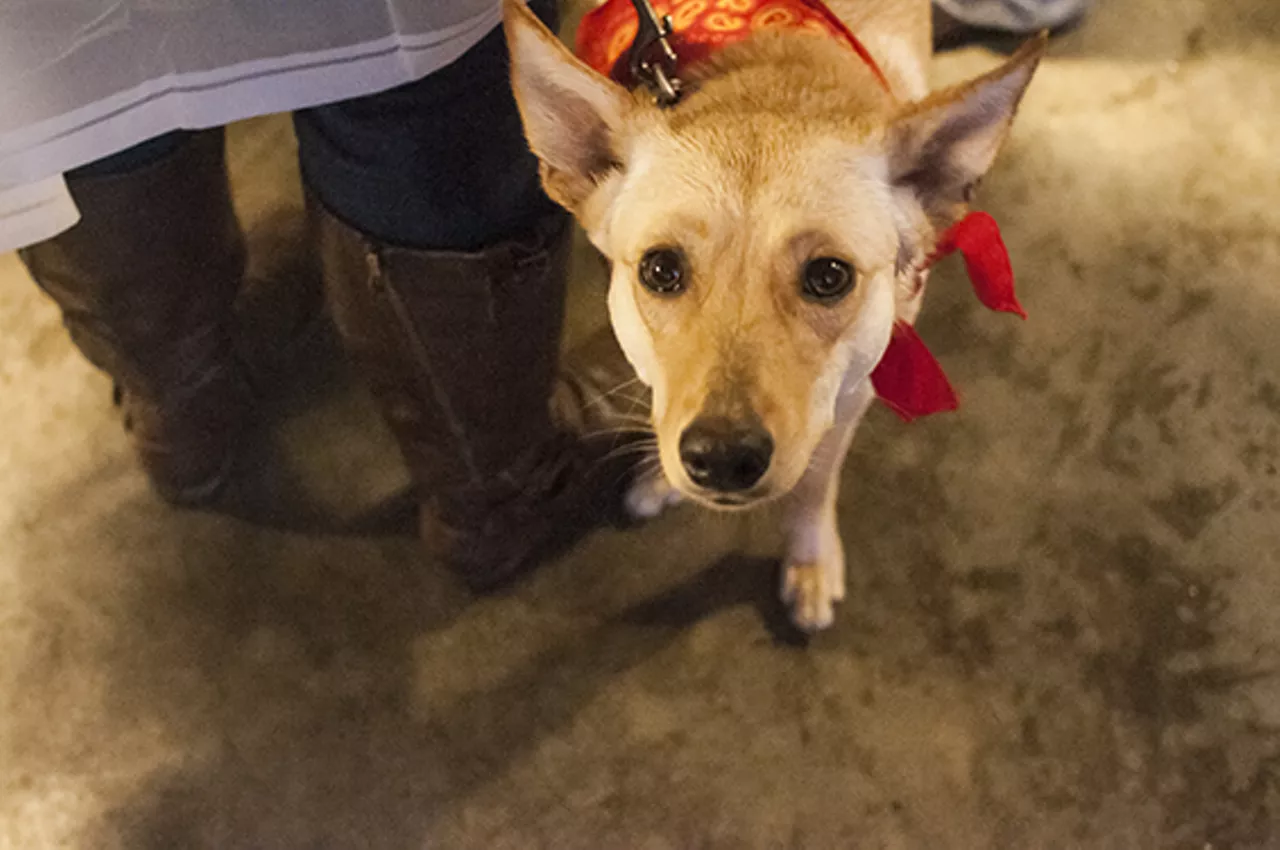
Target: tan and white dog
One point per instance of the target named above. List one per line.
(764, 234)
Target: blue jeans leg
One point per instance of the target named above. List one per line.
(131, 159)
(437, 164)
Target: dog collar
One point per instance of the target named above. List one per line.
(908, 379)
(691, 30)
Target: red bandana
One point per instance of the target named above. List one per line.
(908, 379)
(701, 27)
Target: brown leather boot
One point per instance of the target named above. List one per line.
(146, 283)
(461, 352)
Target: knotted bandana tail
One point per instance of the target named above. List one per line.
(986, 259)
(908, 379)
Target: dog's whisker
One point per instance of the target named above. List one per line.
(634, 406)
(626, 416)
(609, 393)
(630, 382)
(617, 430)
(630, 434)
(641, 439)
(600, 398)
(632, 442)
(646, 466)
(645, 452)
(638, 404)
(633, 418)
(638, 407)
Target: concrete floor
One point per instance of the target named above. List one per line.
(1062, 624)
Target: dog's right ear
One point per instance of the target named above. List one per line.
(570, 112)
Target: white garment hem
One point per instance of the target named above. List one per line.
(35, 212)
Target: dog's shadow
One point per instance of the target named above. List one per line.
(369, 764)
(733, 581)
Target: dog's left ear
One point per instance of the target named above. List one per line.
(570, 112)
(942, 145)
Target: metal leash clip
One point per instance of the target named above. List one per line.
(652, 60)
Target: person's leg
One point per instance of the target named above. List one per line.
(445, 264)
(438, 164)
(146, 283)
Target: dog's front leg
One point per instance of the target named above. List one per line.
(813, 574)
(650, 494)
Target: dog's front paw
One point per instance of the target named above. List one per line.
(649, 495)
(810, 588)
(807, 594)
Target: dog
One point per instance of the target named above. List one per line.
(766, 234)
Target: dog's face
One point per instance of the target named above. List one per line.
(746, 293)
(764, 234)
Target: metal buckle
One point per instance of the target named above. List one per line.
(652, 60)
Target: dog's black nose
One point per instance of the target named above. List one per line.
(723, 455)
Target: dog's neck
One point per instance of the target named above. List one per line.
(794, 77)
(702, 32)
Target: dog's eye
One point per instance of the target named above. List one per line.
(662, 270)
(827, 279)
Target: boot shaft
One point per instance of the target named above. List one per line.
(146, 283)
(460, 349)
(147, 279)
